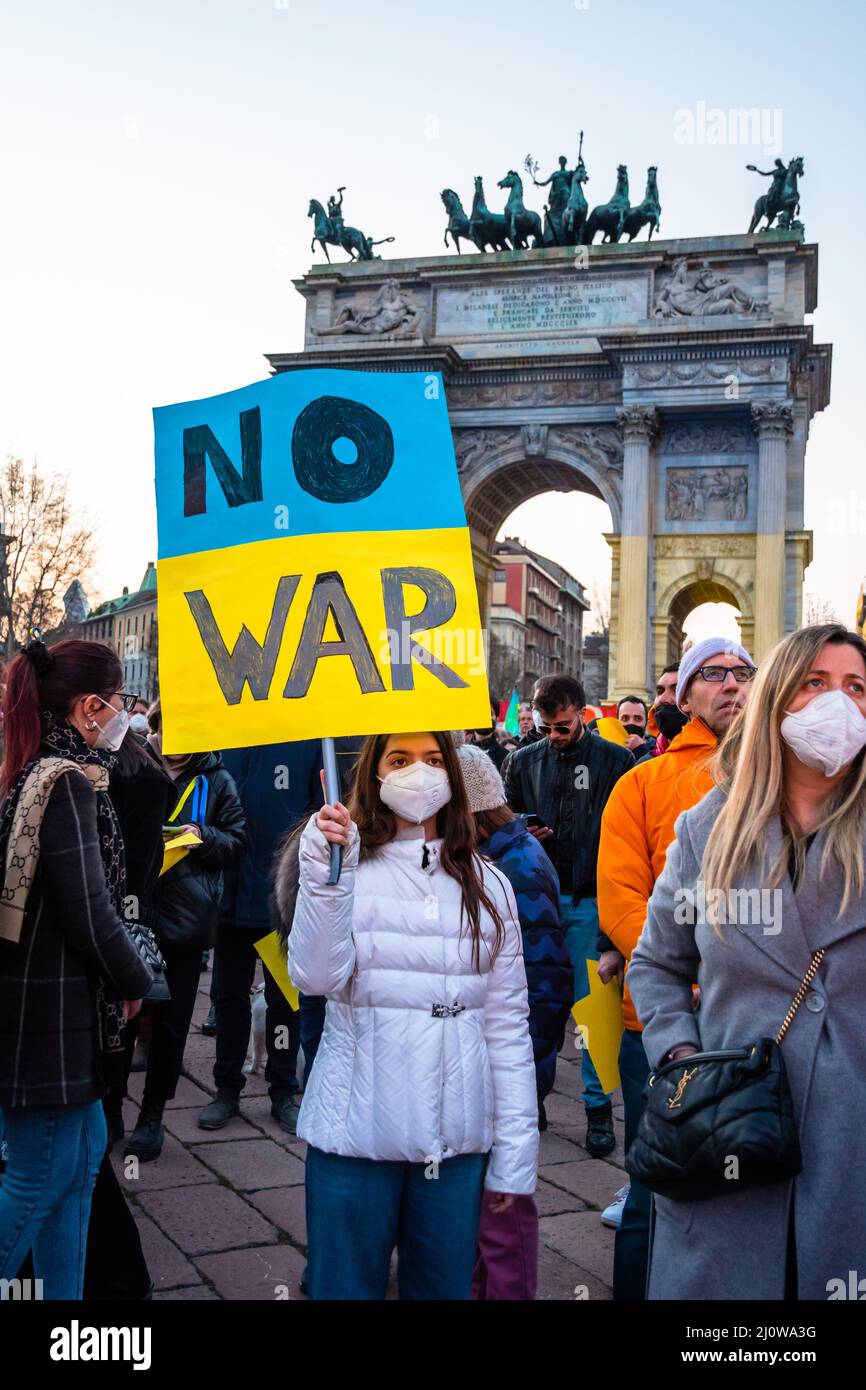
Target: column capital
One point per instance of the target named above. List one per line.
(639, 423)
(773, 419)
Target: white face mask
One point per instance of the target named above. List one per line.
(827, 734)
(416, 792)
(138, 724)
(112, 734)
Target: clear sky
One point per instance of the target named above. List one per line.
(156, 162)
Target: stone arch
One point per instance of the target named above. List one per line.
(686, 593)
(508, 477)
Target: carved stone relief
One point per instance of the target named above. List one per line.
(761, 369)
(695, 438)
(533, 393)
(601, 444)
(391, 313)
(703, 294)
(474, 447)
(704, 494)
(686, 547)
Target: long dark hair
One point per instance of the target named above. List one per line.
(455, 824)
(41, 685)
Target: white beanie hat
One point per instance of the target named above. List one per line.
(481, 777)
(700, 655)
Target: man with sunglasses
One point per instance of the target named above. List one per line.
(564, 781)
(637, 827)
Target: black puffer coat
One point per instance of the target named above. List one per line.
(190, 893)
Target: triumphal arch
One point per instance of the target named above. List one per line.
(675, 380)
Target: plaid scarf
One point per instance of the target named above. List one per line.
(63, 750)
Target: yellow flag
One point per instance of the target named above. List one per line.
(598, 1017)
(274, 961)
(611, 729)
(176, 846)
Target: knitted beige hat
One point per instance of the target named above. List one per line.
(481, 777)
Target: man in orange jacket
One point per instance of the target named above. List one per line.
(636, 829)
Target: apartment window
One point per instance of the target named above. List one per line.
(499, 576)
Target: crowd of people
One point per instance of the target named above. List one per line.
(481, 873)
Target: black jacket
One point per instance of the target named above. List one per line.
(496, 751)
(71, 937)
(143, 796)
(189, 894)
(277, 784)
(568, 791)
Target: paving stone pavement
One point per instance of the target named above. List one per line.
(221, 1214)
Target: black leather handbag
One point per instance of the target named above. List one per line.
(716, 1122)
(144, 942)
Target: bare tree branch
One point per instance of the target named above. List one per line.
(49, 547)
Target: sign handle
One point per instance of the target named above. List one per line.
(332, 792)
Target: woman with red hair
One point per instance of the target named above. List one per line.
(70, 975)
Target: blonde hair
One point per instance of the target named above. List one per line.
(750, 769)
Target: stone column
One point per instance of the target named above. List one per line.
(773, 423)
(639, 425)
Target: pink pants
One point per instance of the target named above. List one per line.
(506, 1265)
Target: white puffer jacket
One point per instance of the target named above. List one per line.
(394, 1078)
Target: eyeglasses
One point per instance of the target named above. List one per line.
(556, 728)
(127, 702)
(716, 674)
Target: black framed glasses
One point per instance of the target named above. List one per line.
(716, 674)
(128, 702)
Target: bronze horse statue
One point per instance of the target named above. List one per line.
(609, 217)
(649, 211)
(458, 222)
(349, 238)
(574, 217)
(784, 204)
(486, 227)
(520, 222)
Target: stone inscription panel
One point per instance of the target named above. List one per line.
(581, 302)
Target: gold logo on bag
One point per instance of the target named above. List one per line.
(674, 1102)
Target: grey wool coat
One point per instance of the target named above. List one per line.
(734, 1246)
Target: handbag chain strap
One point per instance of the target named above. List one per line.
(809, 976)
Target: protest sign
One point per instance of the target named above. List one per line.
(315, 570)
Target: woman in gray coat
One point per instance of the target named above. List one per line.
(766, 870)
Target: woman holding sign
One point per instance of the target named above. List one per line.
(423, 1092)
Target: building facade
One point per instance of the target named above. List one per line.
(129, 625)
(535, 620)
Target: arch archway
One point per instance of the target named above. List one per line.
(496, 481)
(687, 593)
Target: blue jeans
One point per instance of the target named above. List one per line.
(631, 1247)
(54, 1157)
(359, 1209)
(580, 921)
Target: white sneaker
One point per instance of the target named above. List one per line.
(612, 1215)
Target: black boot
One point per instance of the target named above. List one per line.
(113, 1107)
(209, 1025)
(146, 1140)
(285, 1110)
(220, 1111)
(600, 1138)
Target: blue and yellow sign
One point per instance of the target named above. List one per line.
(315, 571)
